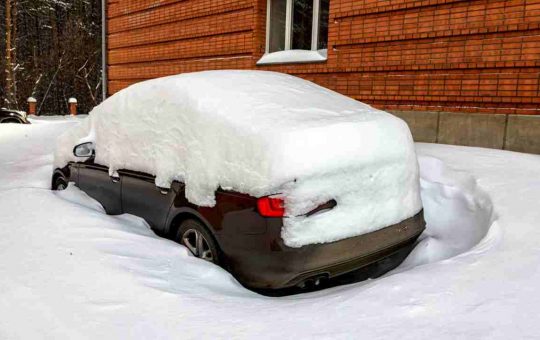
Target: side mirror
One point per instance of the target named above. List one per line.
(84, 150)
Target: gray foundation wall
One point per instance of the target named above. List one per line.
(498, 131)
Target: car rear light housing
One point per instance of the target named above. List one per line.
(271, 206)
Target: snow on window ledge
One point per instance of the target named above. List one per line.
(293, 56)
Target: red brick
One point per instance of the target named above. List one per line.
(446, 55)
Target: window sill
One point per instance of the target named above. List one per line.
(293, 56)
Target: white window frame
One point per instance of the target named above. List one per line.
(288, 25)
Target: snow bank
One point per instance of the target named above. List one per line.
(458, 213)
(26, 152)
(262, 133)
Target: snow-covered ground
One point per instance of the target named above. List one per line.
(68, 271)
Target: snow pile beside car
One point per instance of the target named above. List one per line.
(262, 133)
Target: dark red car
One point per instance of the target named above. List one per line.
(240, 233)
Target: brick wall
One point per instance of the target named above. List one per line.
(154, 38)
(474, 56)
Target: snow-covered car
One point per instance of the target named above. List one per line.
(275, 178)
(12, 116)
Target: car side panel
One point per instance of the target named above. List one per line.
(233, 214)
(73, 172)
(234, 222)
(94, 179)
(141, 197)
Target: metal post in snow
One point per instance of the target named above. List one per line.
(32, 104)
(72, 106)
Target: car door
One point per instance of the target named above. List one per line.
(141, 197)
(94, 179)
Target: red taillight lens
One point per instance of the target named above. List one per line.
(271, 207)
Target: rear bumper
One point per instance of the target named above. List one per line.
(264, 261)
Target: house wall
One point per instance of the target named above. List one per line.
(472, 60)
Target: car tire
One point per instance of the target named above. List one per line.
(193, 235)
(60, 183)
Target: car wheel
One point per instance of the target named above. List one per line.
(194, 236)
(60, 183)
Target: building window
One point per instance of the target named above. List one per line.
(297, 25)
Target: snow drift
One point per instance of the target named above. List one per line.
(261, 133)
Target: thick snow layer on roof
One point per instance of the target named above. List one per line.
(262, 133)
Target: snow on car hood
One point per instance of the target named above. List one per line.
(261, 133)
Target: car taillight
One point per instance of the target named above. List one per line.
(271, 207)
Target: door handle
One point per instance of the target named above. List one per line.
(115, 179)
(163, 191)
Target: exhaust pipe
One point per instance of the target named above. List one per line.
(313, 281)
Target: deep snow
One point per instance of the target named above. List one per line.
(261, 133)
(69, 271)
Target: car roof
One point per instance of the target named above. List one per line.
(252, 100)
